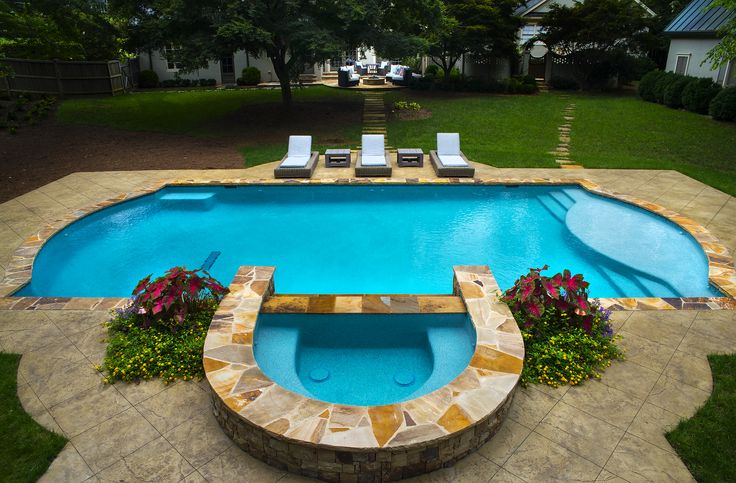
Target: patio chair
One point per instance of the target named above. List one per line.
(448, 160)
(300, 161)
(346, 77)
(373, 158)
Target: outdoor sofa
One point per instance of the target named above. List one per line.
(373, 158)
(347, 77)
(300, 161)
(448, 161)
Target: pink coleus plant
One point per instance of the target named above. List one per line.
(534, 293)
(169, 298)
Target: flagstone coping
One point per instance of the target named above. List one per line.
(337, 442)
(721, 272)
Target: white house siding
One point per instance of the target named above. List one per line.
(697, 49)
(157, 62)
(243, 60)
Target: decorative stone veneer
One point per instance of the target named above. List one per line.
(337, 442)
(720, 263)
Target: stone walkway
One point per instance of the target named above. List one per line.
(562, 152)
(609, 431)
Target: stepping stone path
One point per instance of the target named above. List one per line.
(562, 152)
(374, 114)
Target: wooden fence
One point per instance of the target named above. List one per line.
(64, 78)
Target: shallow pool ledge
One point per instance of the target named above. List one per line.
(336, 442)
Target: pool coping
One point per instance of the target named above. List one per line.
(721, 272)
(335, 441)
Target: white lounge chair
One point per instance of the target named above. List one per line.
(300, 161)
(373, 158)
(448, 160)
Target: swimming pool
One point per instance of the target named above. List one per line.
(363, 359)
(373, 239)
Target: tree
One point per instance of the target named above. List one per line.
(726, 48)
(483, 28)
(70, 29)
(292, 33)
(600, 38)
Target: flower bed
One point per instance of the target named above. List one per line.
(567, 337)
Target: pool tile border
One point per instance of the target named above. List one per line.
(337, 442)
(721, 272)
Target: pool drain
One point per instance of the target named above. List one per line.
(319, 375)
(404, 378)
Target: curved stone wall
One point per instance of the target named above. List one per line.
(338, 442)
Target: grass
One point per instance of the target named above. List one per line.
(707, 441)
(28, 448)
(502, 131)
(609, 131)
(626, 132)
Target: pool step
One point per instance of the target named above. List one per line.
(357, 304)
(189, 200)
(553, 206)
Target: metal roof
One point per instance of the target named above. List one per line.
(695, 19)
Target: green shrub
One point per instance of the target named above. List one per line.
(647, 83)
(147, 79)
(407, 106)
(136, 353)
(563, 83)
(207, 82)
(162, 331)
(723, 105)
(662, 84)
(567, 337)
(431, 71)
(696, 96)
(673, 92)
(251, 76)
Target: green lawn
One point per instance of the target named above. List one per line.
(503, 131)
(609, 131)
(626, 132)
(707, 441)
(27, 448)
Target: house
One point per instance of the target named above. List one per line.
(693, 33)
(228, 69)
(535, 61)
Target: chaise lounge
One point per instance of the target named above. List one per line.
(373, 158)
(448, 160)
(300, 161)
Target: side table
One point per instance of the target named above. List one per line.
(410, 158)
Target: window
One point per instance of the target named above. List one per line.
(682, 63)
(529, 31)
(227, 65)
(170, 54)
(730, 80)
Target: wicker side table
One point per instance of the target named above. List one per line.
(410, 158)
(338, 158)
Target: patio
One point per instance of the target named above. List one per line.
(610, 430)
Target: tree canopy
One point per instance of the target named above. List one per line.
(292, 33)
(600, 38)
(483, 28)
(67, 30)
(726, 49)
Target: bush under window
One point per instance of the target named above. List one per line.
(647, 84)
(697, 95)
(147, 79)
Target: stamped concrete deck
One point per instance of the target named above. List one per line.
(608, 431)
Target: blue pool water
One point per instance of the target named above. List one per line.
(374, 239)
(363, 360)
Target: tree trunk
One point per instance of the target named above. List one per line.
(282, 72)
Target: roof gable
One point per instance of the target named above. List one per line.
(531, 7)
(695, 19)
